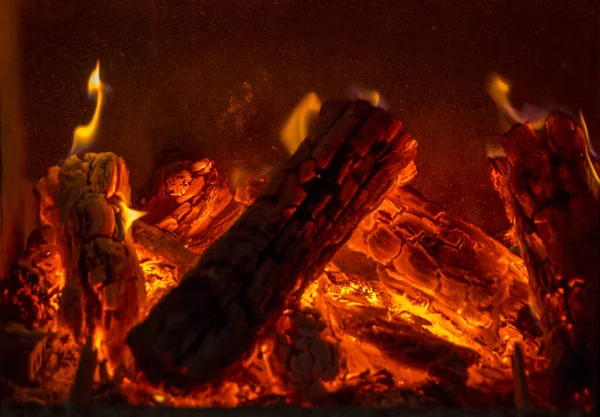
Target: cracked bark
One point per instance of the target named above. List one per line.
(433, 256)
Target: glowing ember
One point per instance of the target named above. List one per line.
(83, 136)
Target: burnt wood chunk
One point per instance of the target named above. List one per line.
(281, 243)
(432, 256)
(549, 183)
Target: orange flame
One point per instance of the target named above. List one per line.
(83, 136)
(297, 126)
(99, 344)
(129, 215)
(499, 90)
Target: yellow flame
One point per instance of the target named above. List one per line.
(129, 215)
(98, 338)
(588, 149)
(372, 96)
(494, 150)
(84, 135)
(296, 127)
(499, 90)
(99, 344)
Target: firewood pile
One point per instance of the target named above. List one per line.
(221, 297)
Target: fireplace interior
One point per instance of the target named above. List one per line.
(300, 203)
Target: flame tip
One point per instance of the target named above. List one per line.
(297, 126)
(83, 135)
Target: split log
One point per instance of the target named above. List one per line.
(550, 186)
(434, 257)
(85, 201)
(242, 283)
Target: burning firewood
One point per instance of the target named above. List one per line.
(86, 203)
(550, 186)
(187, 199)
(244, 281)
(243, 198)
(186, 196)
(433, 257)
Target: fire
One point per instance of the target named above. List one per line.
(494, 150)
(499, 90)
(129, 215)
(106, 369)
(84, 135)
(590, 153)
(297, 126)
(372, 96)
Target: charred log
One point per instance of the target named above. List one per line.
(432, 256)
(550, 186)
(242, 283)
(186, 200)
(85, 202)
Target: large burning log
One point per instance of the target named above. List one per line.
(86, 202)
(242, 283)
(550, 186)
(432, 256)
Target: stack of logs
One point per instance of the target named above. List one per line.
(242, 263)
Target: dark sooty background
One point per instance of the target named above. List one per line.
(178, 68)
